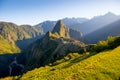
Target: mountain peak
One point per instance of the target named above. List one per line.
(60, 22)
(61, 29)
(110, 14)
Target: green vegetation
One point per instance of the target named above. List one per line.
(50, 59)
(5, 47)
(13, 32)
(93, 65)
(110, 43)
(102, 66)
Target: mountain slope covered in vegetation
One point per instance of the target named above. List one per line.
(17, 35)
(92, 65)
(102, 66)
(5, 47)
(13, 32)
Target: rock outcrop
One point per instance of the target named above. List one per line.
(53, 46)
(61, 30)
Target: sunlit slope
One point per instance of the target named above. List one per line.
(102, 66)
(5, 47)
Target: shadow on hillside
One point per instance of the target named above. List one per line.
(76, 60)
(6, 59)
(23, 44)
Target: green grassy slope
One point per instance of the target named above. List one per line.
(5, 47)
(102, 66)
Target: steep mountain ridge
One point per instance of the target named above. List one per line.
(61, 30)
(46, 25)
(54, 45)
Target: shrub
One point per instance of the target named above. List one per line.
(110, 43)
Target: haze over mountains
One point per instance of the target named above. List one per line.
(82, 24)
(112, 29)
(96, 23)
(49, 41)
(49, 25)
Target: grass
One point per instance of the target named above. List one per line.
(102, 66)
(5, 47)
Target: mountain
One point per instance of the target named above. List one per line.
(54, 45)
(46, 25)
(58, 55)
(112, 29)
(96, 23)
(61, 30)
(5, 47)
(13, 33)
(71, 21)
(69, 32)
(49, 25)
(14, 40)
(32, 31)
(83, 25)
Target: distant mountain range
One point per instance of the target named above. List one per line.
(96, 23)
(112, 29)
(82, 24)
(49, 25)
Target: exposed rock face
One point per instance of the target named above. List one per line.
(74, 34)
(54, 45)
(61, 29)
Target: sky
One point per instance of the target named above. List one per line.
(35, 11)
